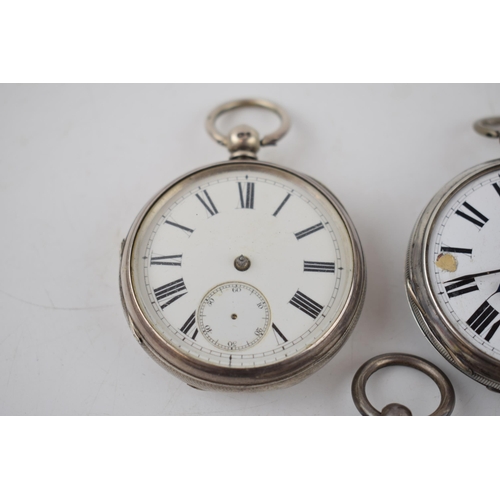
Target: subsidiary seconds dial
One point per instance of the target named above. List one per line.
(234, 316)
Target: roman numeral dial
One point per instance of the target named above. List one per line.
(456, 250)
(468, 212)
(458, 283)
(309, 230)
(247, 194)
(319, 267)
(461, 286)
(305, 304)
(484, 320)
(281, 205)
(166, 260)
(179, 226)
(189, 327)
(280, 338)
(206, 201)
(170, 292)
(200, 299)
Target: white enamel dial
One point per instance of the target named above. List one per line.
(301, 266)
(234, 316)
(464, 262)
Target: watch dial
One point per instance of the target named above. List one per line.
(464, 262)
(242, 267)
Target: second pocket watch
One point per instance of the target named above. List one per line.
(242, 275)
(453, 269)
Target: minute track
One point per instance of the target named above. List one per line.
(230, 224)
(297, 210)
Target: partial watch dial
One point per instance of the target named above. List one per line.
(453, 272)
(242, 267)
(464, 262)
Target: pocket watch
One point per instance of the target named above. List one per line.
(453, 269)
(242, 275)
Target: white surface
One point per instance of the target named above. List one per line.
(462, 302)
(78, 163)
(276, 271)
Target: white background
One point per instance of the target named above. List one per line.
(77, 163)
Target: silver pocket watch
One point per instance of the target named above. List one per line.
(453, 269)
(242, 275)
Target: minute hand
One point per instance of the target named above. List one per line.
(473, 275)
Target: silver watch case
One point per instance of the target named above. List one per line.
(439, 331)
(202, 375)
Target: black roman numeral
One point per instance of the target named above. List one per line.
(497, 188)
(166, 260)
(176, 290)
(479, 220)
(188, 326)
(306, 305)
(482, 319)
(282, 204)
(280, 338)
(309, 230)
(246, 195)
(461, 286)
(184, 228)
(209, 204)
(319, 267)
(456, 250)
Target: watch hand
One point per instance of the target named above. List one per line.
(476, 275)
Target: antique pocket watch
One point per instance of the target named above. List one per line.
(453, 269)
(242, 275)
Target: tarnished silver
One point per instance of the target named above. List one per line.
(490, 127)
(442, 334)
(203, 375)
(242, 263)
(359, 381)
(243, 141)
